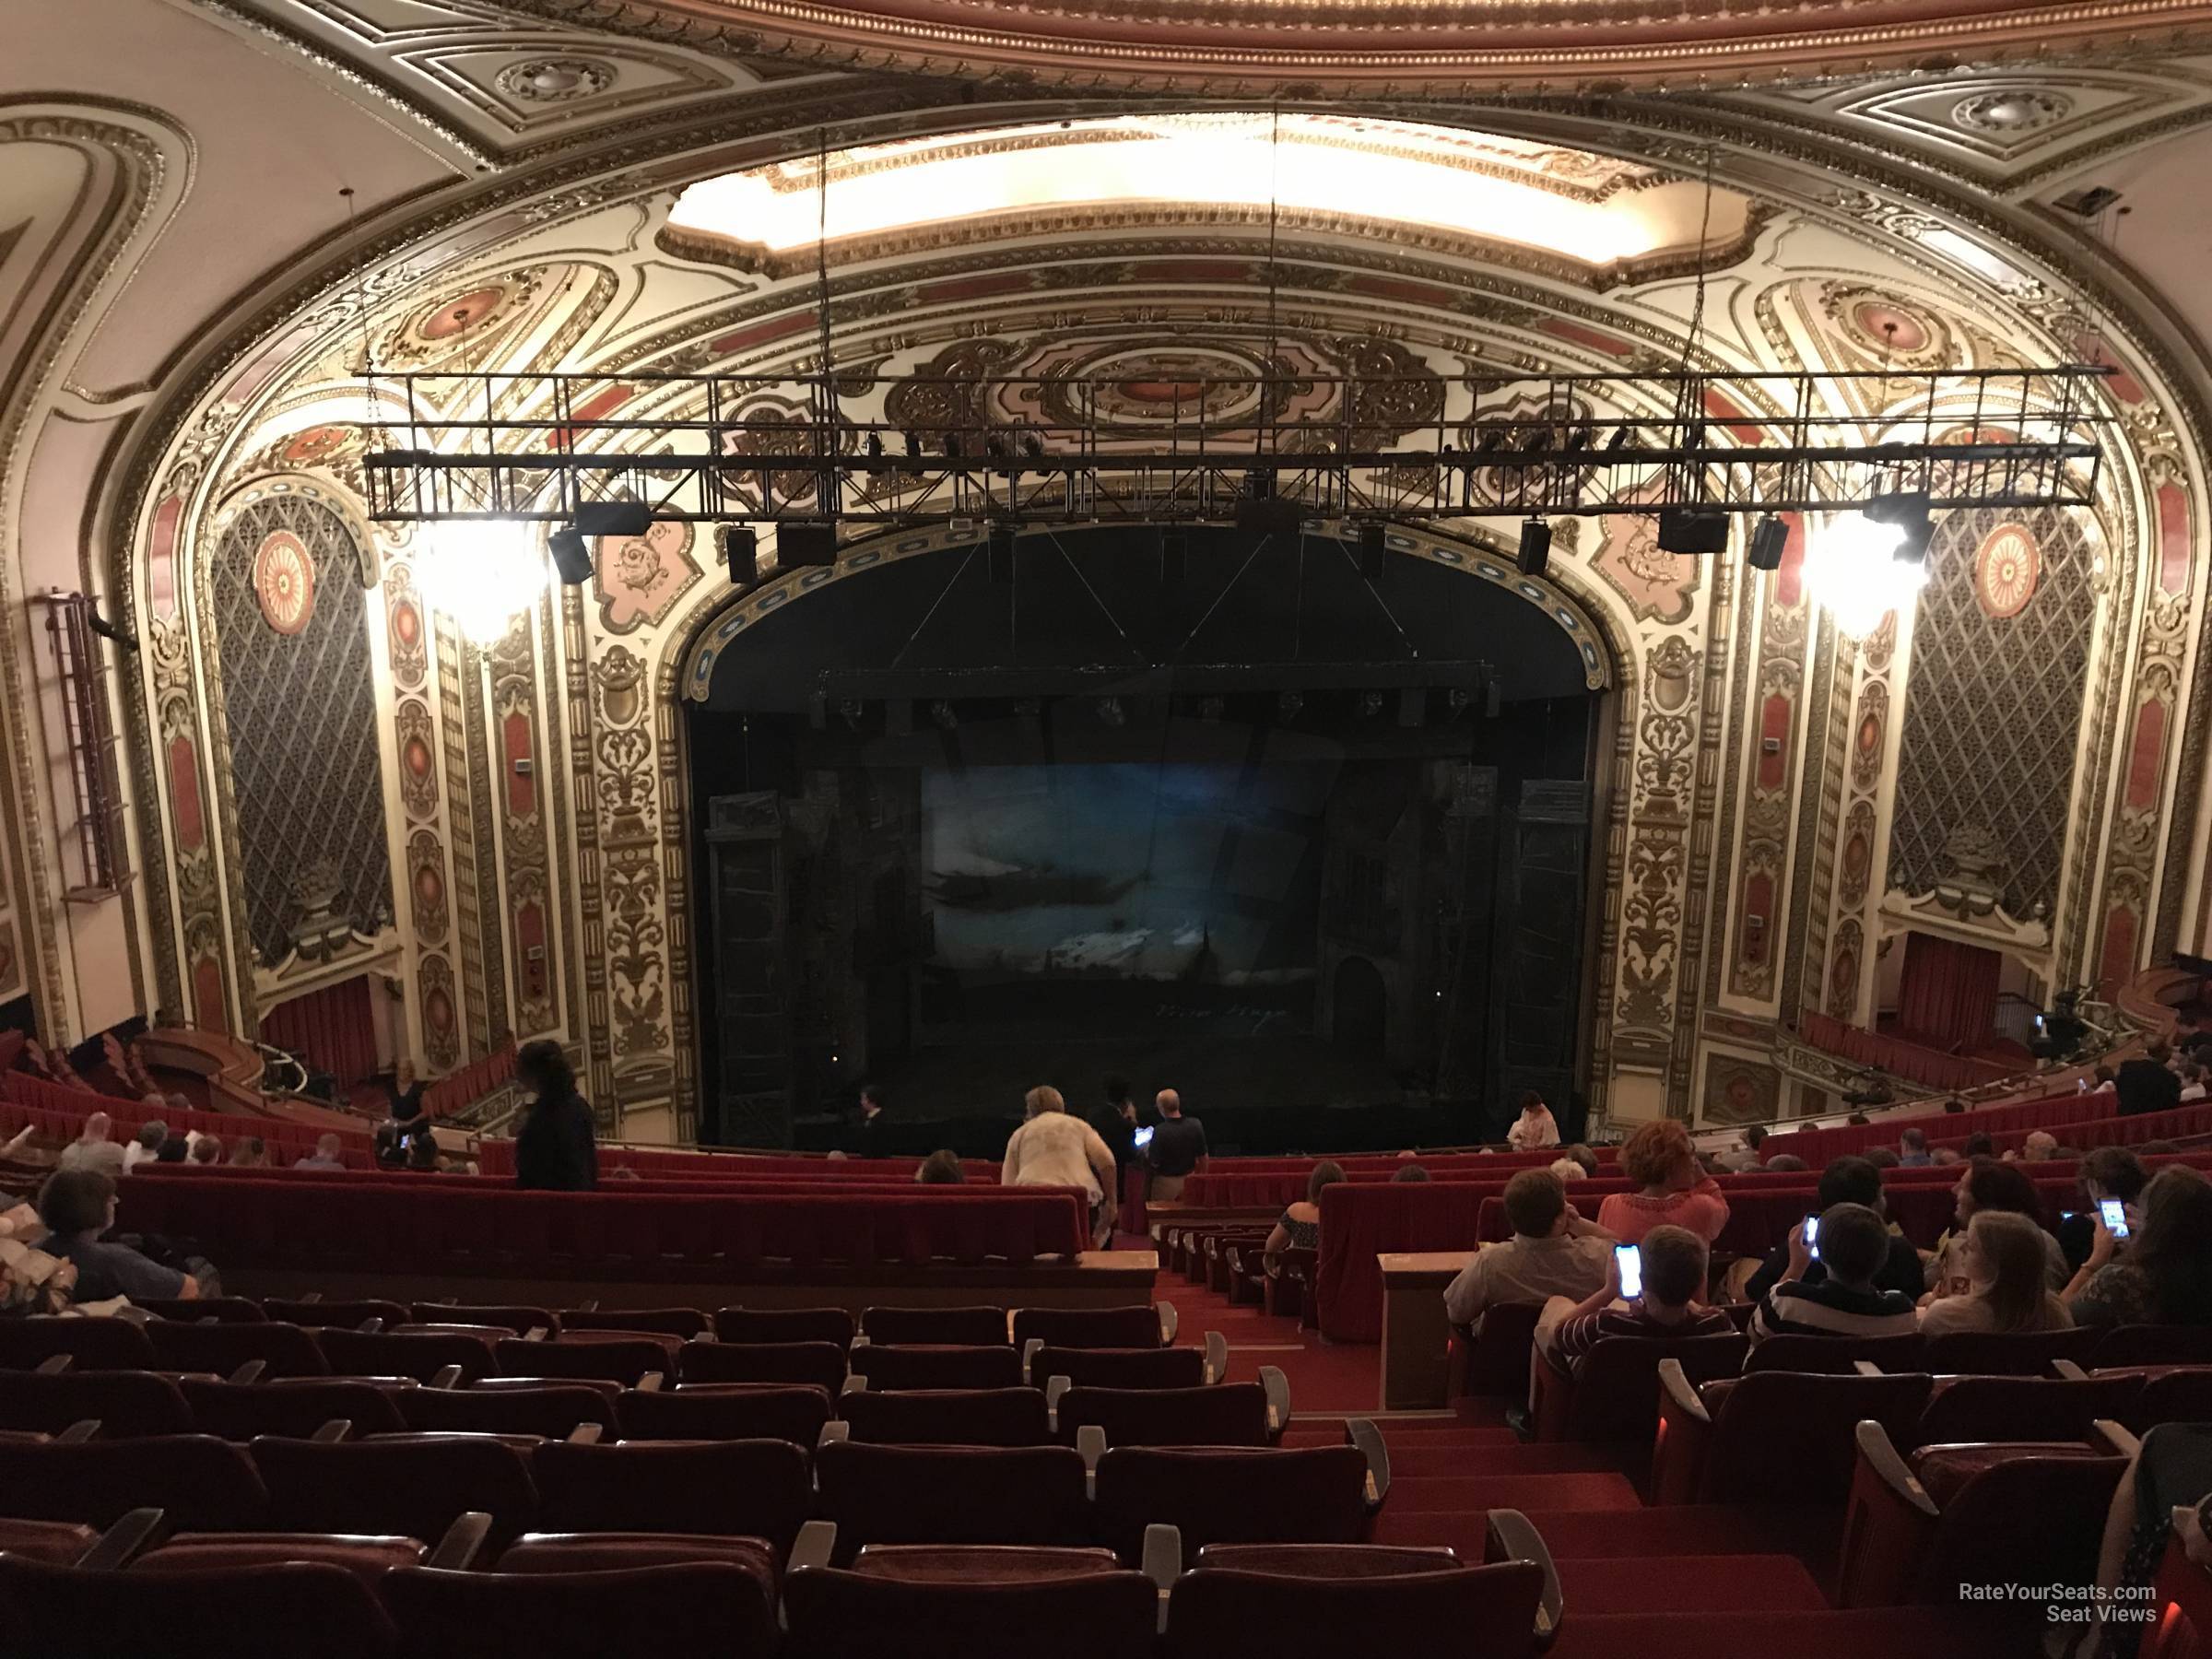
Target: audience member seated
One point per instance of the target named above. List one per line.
(1990, 1185)
(1853, 1246)
(2191, 1037)
(2166, 1493)
(2038, 1146)
(151, 1134)
(1883, 1157)
(92, 1150)
(33, 1281)
(172, 1149)
(252, 1153)
(1745, 1156)
(1536, 1128)
(1943, 1158)
(1565, 1169)
(2004, 1268)
(1848, 1180)
(1553, 1253)
(1785, 1163)
(555, 1149)
(78, 1207)
(1299, 1228)
(1414, 1172)
(1055, 1150)
(329, 1154)
(1912, 1148)
(1674, 1262)
(422, 1155)
(941, 1167)
(207, 1151)
(1584, 1156)
(1672, 1191)
(1978, 1145)
(2192, 1083)
(2165, 1277)
(2146, 1083)
(2113, 1172)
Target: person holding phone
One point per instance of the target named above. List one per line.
(1852, 1242)
(1650, 1289)
(2163, 1275)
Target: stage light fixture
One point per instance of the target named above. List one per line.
(1770, 536)
(614, 518)
(998, 552)
(1697, 531)
(804, 542)
(1373, 559)
(741, 552)
(572, 559)
(1535, 546)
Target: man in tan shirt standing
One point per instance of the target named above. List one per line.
(1053, 1149)
(1553, 1252)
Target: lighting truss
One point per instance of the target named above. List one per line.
(728, 448)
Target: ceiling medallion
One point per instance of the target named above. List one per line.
(2006, 568)
(556, 80)
(283, 582)
(2012, 111)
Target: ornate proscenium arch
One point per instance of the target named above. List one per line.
(718, 629)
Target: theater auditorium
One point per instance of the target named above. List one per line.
(985, 830)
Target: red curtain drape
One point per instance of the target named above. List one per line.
(1949, 993)
(332, 1029)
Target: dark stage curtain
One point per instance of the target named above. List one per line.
(332, 1030)
(1948, 993)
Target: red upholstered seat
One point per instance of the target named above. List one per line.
(232, 1612)
(1836, 1355)
(1613, 1395)
(557, 1615)
(1272, 1600)
(1134, 1327)
(2155, 1345)
(1227, 1414)
(202, 1483)
(964, 1326)
(1497, 1358)
(1776, 1437)
(412, 1485)
(2011, 1353)
(784, 1324)
(820, 1364)
(230, 1310)
(285, 1350)
(1947, 1471)
(421, 1354)
(952, 1495)
(949, 1416)
(979, 1564)
(2172, 1393)
(521, 1318)
(793, 1412)
(607, 1551)
(1077, 1615)
(614, 1358)
(752, 1487)
(58, 1542)
(917, 1365)
(367, 1556)
(1120, 1367)
(1230, 1495)
(240, 1411)
(2022, 1408)
(554, 1410)
(680, 1323)
(125, 1403)
(92, 1344)
(349, 1315)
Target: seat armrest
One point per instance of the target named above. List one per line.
(1685, 1429)
(1362, 1433)
(1882, 1461)
(137, 1316)
(854, 1384)
(125, 1541)
(1278, 1400)
(1028, 1352)
(313, 1296)
(815, 1544)
(1090, 1442)
(1217, 1357)
(1514, 1537)
(534, 1334)
(463, 1542)
(334, 1430)
(1675, 1387)
(1053, 1388)
(1862, 1368)
(250, 1372)
(586, 1434)
(1170, 1323)
(650, 1382)
(53, 1365)
(833, 1431)
(372, 1326)
(78, 1432)
(2066, 1371)
(2114, 1436)
(588, 1307)
(446, 1376)
(1163, 1563)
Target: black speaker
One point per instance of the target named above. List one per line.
(1769, 538)
(1375, 560)
(572, 559)
(1535, 546)
(741, 552)
(614, 518)
(1693, 530)
(802, 542)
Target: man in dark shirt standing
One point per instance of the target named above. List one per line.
(867, 1135)
(1114, 1118)
(1178, 1148)
(2147, 1085)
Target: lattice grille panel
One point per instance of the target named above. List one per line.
(305, 771)
(1993, 703)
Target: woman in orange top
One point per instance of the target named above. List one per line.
(1674, 1191)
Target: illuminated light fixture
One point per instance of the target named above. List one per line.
(1860, 567)
(483, 573)
(1481, 185)
(1770, 537)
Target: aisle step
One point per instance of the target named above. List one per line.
(1473, 1497)
(1688, 1583)
(1427, 1478)
(1402, 1445)
(1813, 1534)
